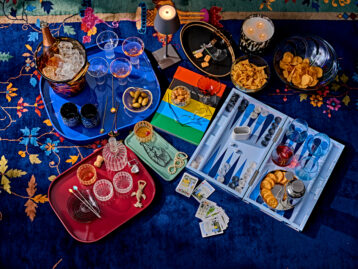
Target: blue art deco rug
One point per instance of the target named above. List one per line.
(167, 235)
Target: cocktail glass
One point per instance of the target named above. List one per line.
(107, 41)
(121, 68)
(133, 47)
(98, 69)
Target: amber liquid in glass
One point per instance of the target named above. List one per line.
(133, 49)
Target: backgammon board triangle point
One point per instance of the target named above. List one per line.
(238, 173)
(232, 169)
(266, 124)
(210, 162)
(216, 166)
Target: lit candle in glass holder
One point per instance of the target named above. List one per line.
(256, 33)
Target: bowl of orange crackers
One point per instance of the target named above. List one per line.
(306, 63)
(250, 73)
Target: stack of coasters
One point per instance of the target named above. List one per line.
(214, 218)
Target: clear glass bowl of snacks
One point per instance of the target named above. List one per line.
(180, 96)
(250, 73)
(137, 99)
(305, 63)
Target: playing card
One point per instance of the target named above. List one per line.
(210, 228)
(186, 185)
(203, 191)
(211, 211)
(223, 218)
(220, 220)
(204, 208)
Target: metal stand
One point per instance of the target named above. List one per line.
(166, 56)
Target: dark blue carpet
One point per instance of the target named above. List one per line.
(167, 235)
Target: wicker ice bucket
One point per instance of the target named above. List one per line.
(70, 87)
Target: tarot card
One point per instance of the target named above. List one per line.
(210, 228)
(186, 185)
(203, 191)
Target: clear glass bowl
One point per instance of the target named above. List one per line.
(127, 99)
(253, 59)
(319, 52)
(103, 190)
(177, 96)
(123, 183)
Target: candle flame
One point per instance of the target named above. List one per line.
(262, 36)
(260, 25)
(250, 30)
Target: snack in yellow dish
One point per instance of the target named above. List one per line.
(277, 177)
(248, 75)
(299, 72)
(180, 96)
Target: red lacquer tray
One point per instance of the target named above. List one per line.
(114, 214)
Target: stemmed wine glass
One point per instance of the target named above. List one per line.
(133, 47)
(107, 41)
(98, 69)
(121, 68)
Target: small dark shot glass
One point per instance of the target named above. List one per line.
(70, 115)
(89, 116)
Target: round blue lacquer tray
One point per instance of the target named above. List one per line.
(144, 77)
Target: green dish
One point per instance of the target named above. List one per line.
(157, 153)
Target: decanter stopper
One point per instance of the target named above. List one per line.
(113, 145)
